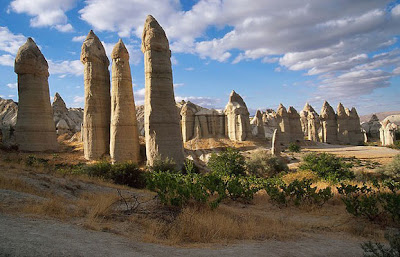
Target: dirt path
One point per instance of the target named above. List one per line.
(21, 236)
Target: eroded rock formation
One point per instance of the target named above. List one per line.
(97, 111)
(295, 128)
(276, 144)
(162, 125)
(124, 136)
(258, 125)
(356, 136)
(343, 125)
(388, 133)
(237, 118)
(67, 120)
(283, 124)
(372, 127)
(304, 118)
(35, 130)
(329, 124)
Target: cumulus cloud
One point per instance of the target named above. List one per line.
(204, 101)
(12, 85)
(7, 60)
(46, 13)
(79, 39)
(10, 42)
(74, 67)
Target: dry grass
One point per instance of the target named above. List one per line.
(19, 185)
(196, 224)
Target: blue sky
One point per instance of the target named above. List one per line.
(268, 51)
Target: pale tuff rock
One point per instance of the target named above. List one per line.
(237, 118)
(355, 134)
(372, 127)
(124, 136)
(393, 119)
(283, 124)
(270, 123)
(96, 119)
(188, 112)
(329, 124)
(303, 117)
(258, 125)
(295, 128)
(35, 130)
(314, 126)
(140, 119)
(8, 119)
(73, 117)
(388, 133)
(276, 147)
(343, 125)
(162, 125)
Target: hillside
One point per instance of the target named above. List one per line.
(380, 115)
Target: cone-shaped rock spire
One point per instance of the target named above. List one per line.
(35, 129)
(96, 119)
(124, 136)
(162, 124)
(237, 118)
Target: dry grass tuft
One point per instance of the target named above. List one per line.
(17, 184)
(225, 224)
(56, 207)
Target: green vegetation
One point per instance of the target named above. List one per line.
(262, 164)
(327, 166)
(379, 250)
(392, 169)
(298, 192)
(229, 162)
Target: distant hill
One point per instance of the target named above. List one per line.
(380, 115)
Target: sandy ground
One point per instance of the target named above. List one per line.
(22, 236)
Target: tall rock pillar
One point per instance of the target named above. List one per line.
(162, 123)
(343, 122)
(35, 129)
(237, 118)
(124, 135)
(329, 124)
(96, 119)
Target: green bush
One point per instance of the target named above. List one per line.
(228, 162)
(379, 250)
(294, 148)
(372, 203)
(35, 161)
(393, 168)
(327, 166)
(174, 188)
(297, 192)
(160, 164)
(126, 173)
(262, 164)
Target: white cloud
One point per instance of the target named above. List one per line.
(178, 85)
(10, 42)
(74, 67)
(189, 69)
(12, 85)
(203, 101)
(79, 99)
(7, 60)
(79, 38)
(46, 13)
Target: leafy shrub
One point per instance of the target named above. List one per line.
(190, 167)
(34, 161)
(262, 164)
(160, 164)
(129, 174)
(126, 173)
(393, 168)
(327, 166)
(228, 162)
(294, 148)
(372, 203)
(379, 250)
(297, 192)
(176, 188)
